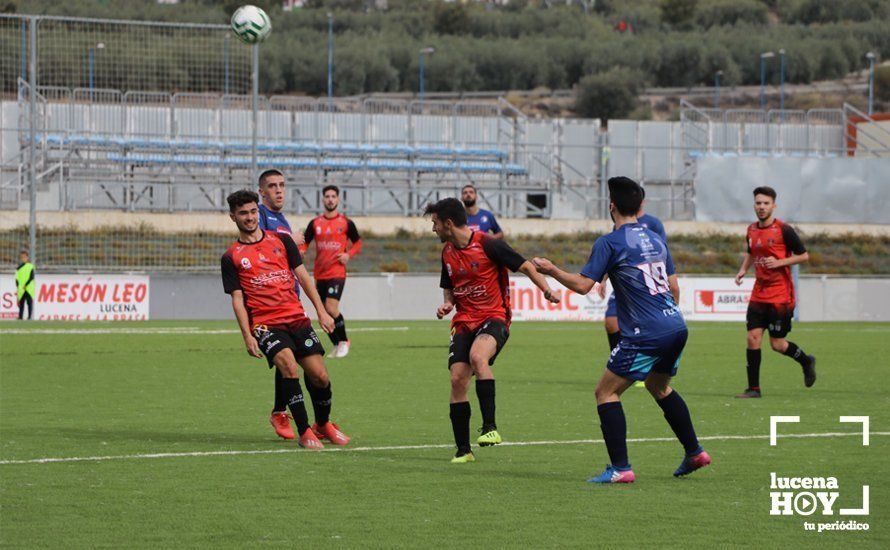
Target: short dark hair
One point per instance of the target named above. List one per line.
(267, 173)
(626, 194)
(448, 209)
(764, 190)
(240, 198)
(470, 185)
(333, 188)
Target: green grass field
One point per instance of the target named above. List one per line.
(138, 393)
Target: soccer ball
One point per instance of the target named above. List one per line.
(251, 24)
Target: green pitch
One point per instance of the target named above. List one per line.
(181, 412)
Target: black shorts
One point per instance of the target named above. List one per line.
(462, 340)
(774, 317)
(330, 288)
(300, 338)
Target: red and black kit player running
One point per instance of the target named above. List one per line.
(336, 242)
(259, 271)
(475, 282)
(773, 247)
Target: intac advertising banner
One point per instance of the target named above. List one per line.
(701, 299)
(81, 297)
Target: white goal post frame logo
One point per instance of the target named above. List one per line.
(774, 421)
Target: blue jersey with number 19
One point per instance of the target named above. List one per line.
(638, 263)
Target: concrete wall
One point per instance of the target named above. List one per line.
(415, 297)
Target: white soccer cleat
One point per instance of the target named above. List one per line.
(333, 352)
(342, 349)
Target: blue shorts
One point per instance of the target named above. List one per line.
(636, 359)
(612, 306)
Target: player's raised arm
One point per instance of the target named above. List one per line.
(503, 254)
(528, 269)
(573, 281)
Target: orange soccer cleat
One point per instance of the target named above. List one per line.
(331, 432)
(281, 422)
(310, 441)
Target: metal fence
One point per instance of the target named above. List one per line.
(817, 132)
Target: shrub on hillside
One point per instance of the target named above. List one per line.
(731, 12)
(608, 95)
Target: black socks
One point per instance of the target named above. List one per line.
(753, 366)
(460, 424)
(280, 400)
(677, 415)
(797, 354)
(340, 328)
(294, 396)
(485, 393)
(614, 427)
(321, 401)
(614, 338)
(339, 334)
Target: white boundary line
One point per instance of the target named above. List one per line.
(163, 330)
(50, 460)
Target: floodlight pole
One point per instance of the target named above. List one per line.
(32, 151)
(782, 81)
(330, 55)
(763, 58)
(423, 54)
(871, 82)
(254, 100)
(92, 63)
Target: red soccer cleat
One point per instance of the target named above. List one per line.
(331, 432)
(281, 422)
(309, 441)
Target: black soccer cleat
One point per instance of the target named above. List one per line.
(749, 394)
(809, 371)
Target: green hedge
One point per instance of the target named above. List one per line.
(522, 47)
(144, 248)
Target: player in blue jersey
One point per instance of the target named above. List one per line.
(653, 332)
(272, 193)
(613, 332)
(479, 219)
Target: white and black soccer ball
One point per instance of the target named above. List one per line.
(251, 24)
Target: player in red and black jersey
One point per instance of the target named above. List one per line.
(475, 282)
(259, 271)
(773, 247)
(336, 242)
